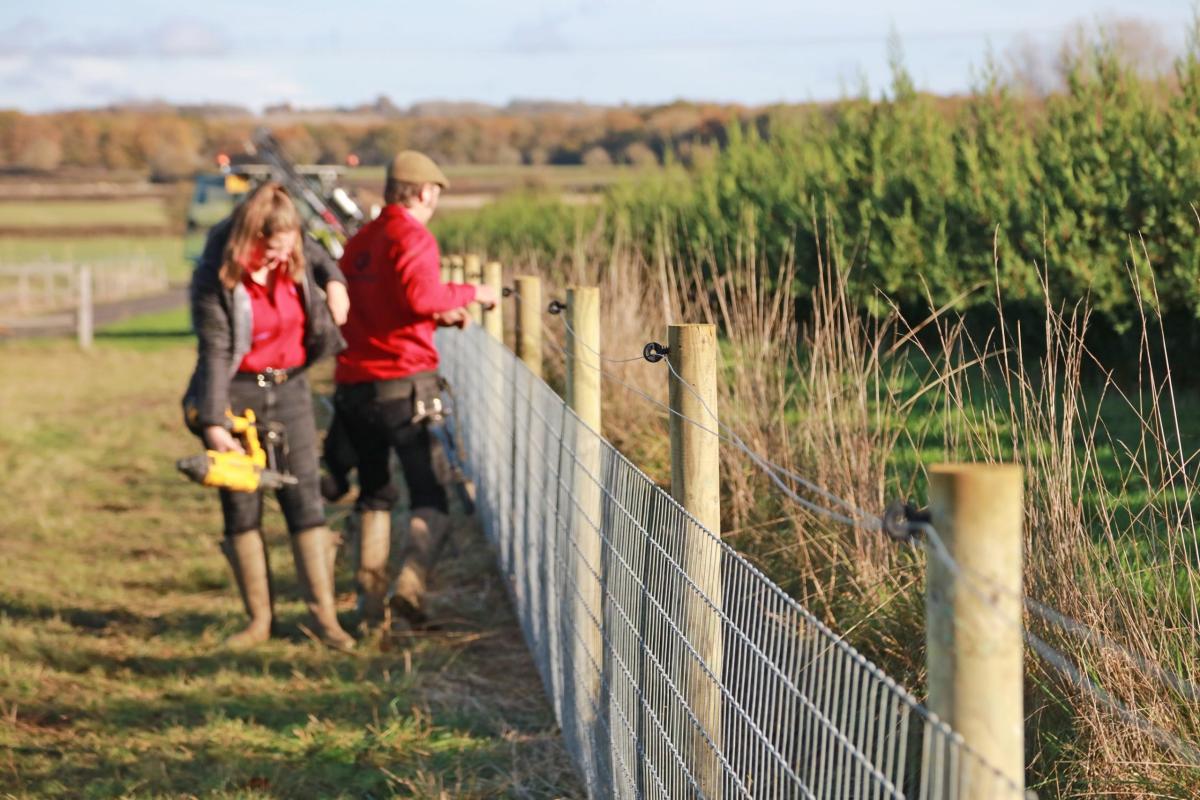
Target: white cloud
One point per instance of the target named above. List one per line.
(175, 37)
(186, 37)
(37, 83)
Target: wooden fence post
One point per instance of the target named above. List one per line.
(696, 485)
(493, 319)
(528, 335)
(974, 613)
(84, 315)
(457, 271)
(583, 363)
(473, 269)
(583, 396)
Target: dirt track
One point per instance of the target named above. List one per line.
(63, 323)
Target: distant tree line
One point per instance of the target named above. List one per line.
(170, 142)
(1090, 192)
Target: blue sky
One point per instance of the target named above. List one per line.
(67, 53)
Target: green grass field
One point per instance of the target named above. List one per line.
(83, 213)
(173, 250)
(116, 599)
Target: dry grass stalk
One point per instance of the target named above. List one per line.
(860, 405)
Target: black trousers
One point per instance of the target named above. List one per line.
(288, 403)
(375, 426)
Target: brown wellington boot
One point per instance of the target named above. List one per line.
(426, 534)
(310, 548)
(247, 556)
(371, 572)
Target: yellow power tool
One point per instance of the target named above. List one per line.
(256, 468)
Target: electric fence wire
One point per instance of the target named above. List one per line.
(1052, 617)
(1056, 619)
(771, 469)
(985, 590)
(1042, 611)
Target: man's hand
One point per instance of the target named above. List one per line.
(455, 318)
(338, 300)
(486, 296)
(221, 440)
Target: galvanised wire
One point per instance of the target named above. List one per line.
(1056, 658)
(600, 565)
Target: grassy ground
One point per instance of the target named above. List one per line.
(87, 213)
(116, 599)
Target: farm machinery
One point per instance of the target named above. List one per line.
(330, 214)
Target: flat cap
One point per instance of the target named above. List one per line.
(413, 167)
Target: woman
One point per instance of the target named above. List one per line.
(260, 321)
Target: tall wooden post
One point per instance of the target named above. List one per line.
(696, 485)
(84, 316)
(493, 319)
(528, 338)
(473, 269)
(583, 395)
(457, 271)
(973, 614)
(583, 363)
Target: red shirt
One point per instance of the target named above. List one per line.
(277, 340)
(393, 276)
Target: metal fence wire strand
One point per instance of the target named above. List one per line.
(596, 559)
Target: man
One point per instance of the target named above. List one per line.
(397, 300)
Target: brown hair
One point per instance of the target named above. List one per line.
(267, 211)
(402, 192)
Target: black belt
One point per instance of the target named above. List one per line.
(269, 376)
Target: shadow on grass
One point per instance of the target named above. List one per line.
(180, 626)
(112, 621)
(380, 763)
(453, 713)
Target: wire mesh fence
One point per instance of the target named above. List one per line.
(675, 668)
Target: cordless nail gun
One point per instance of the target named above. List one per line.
(256, 468)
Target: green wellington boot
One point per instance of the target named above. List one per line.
(426, 534)
(310, 548)
(371, 571)
(247, 554)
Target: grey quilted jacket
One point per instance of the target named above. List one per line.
(223, 322)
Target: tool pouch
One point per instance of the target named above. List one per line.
(427, 386)
(427, 403)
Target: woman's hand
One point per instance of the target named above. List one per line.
(221, 440)
(338, 300)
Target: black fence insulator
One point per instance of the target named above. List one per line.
(507, 291)
(654, 352)
(901, 518)
(556, 307)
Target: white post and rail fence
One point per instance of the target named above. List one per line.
(45, 293)
(675, 668)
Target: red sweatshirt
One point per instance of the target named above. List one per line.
(393, 275)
